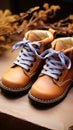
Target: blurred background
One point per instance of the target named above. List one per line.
(17, 20)
(17, 6)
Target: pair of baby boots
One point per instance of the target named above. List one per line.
(44, 66)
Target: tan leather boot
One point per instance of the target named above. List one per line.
(56, 78)
(23, 73)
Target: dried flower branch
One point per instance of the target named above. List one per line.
(14, 27)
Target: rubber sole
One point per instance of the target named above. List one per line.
(16, 92)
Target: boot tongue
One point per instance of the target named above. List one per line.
(62, 44)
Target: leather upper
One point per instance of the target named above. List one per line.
(48, 88)
(16, 77)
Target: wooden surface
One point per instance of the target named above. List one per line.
(59, 117)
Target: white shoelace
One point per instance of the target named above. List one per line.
(53, 66)
(28, 51)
